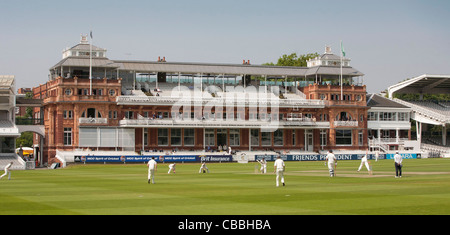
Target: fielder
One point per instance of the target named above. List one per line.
(7, 171)
(152, 165)
(366, 163)
(332, 162)
(279, 168)
(204, 168)
(172, 168)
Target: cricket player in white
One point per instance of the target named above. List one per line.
(332, 162)
(172, 168)
(263, 163)
(204, 168)
(279, 168)
(152, 165)
(7, 171)
(365, 162)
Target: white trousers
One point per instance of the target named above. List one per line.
(263, 169)
(203, 168)
(364, 163)
(151, 175)
(6, 172)
(280, 175)
(331, 168)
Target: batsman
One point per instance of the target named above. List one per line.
(332, 163)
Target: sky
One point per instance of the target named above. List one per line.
(388, 41)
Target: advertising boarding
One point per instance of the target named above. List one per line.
(158, 158)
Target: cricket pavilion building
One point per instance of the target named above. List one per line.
(95, 103)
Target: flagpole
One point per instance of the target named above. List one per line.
(342, 93)
(90, 65)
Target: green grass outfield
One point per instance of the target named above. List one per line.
(230, 189)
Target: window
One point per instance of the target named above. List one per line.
(254, 137)
(145, 137)
(91, 113)
(343, 116)
(293, 138)
(234, 137)
(386, 116)
(343, 137)
(372, 116)
(112, 115)
(175, 137)
(323, 137)
(129, 114)
(68, 91)
(189, 137)
(112, 92)
(67, 136)
(67, 114)
(360, 138)
(403, 116)
(278, 138)
(266, 138)
(209, 137)
(163, 137)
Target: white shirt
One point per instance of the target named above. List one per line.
(151, 164)
(8, 166)
(171, 165)
(331, 158)
(364, 159)
(279, 164)
(398, 158)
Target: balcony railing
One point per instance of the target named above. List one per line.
(29, 121)
(162, 100)
(93, 121)
(218, 123)
(346, 123)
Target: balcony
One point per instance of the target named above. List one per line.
(346, 123)
(223, 123)
(93, 121)
(239, 102)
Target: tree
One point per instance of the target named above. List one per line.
(294, 60)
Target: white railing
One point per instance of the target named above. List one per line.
(93, 121)
(218, 123)
(161, 100)
(346, 123)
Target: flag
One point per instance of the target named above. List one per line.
(342, 49)
(91, 34)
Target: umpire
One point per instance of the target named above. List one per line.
(398, 165)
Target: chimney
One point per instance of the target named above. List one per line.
(248, 62)
(164, 59)
(159, 58)
(243, 61)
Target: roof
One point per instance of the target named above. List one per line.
(425, 84)
(206, 68)
(377, 101)
(72, 61)
(210, 68)
(6, 80)
(331, 70)
(86, 47)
